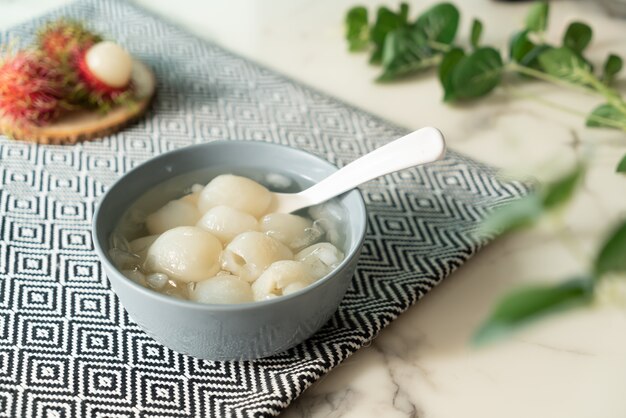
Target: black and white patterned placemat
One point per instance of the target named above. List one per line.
(67, 347)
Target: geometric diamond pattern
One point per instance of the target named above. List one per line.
(49, 374)
(104, 381)
(38, 404)
(8, 402)
(39, 297)
(8, 365)
(67, 347)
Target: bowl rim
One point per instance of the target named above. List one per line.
(189, 304)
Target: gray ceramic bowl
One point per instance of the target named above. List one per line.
(241, 331)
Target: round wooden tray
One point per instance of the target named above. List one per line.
(83, 125)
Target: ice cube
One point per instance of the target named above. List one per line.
(157, 280)
(123, 259)
(135, 275)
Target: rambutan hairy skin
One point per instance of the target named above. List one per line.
(66, 41)
(31, 89)
(39, 84)
(61, 38)
(90, 91)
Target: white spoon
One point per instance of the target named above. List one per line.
(420, 147)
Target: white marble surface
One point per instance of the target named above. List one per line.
(572, 365)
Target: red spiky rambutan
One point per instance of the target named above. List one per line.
(103, 74)
(94, 84)
(31, 89)
(61, 38)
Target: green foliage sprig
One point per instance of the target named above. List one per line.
(528, 303)
(405, 47)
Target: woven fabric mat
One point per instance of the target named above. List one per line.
(67, 347)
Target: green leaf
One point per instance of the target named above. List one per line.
(563, 63)
(513, 215)
(621, 167)
(446, 68)
(537, 17)
(405, 52)
(606, 116)
(410, 49)
(561, 190)
(529, 303)
(439, 23)
(386, 21)
(477, 30)
(612, 255)
(525, 211)
(520, 45)
(357, 28)
(477, 74)
(531, 59)
(577, 36)
(526, 52)
(612, 66)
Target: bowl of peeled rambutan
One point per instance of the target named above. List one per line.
(71, 85)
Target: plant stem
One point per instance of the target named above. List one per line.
(438, 46)
(531, 72)
(611, 96)
(608, 122)
(570, 240)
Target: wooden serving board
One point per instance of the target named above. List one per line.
(84, 125)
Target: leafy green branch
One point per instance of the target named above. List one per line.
(531, 302)
(404, 48)
(528, 210)
(528, 303)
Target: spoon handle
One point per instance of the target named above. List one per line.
(419, 147)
